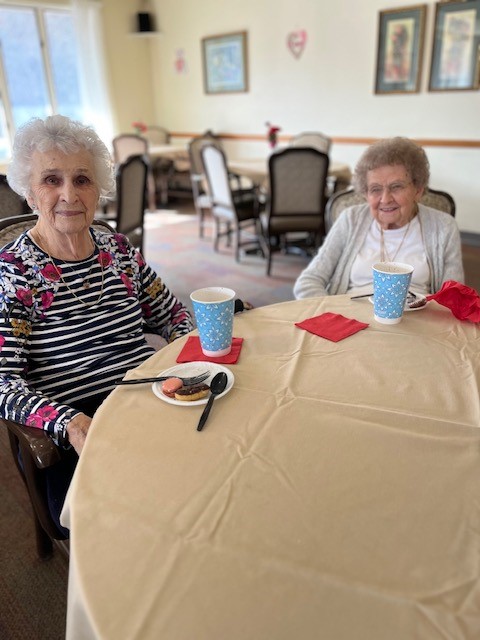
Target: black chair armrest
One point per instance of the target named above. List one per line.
(41, 447)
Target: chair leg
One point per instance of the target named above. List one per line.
(262, 242)
(237, 231)
(43, 540)
(216, 234)
(202, 214)
(269, 258)
(229, 234)
(152, 205)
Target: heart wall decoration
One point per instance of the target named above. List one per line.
(296, 41)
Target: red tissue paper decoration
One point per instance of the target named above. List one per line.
(139, 127)
(272, 134)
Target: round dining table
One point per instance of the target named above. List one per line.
(334, 492)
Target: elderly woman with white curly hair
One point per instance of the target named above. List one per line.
(393, 225)
(74, 302)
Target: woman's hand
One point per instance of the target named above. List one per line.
(77, 431)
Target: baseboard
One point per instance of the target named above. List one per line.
(470, 238)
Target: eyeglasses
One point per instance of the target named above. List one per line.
(394, 189)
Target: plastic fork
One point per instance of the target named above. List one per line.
(188, 382)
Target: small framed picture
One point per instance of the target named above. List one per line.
(400, 49)
(456, 46)
(225, 63)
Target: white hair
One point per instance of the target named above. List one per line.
(69, 136)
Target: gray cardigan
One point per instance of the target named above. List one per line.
(329, 271)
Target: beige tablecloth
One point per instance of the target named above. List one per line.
(177, 154)
(334, 493)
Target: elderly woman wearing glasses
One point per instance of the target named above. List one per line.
(392, 226)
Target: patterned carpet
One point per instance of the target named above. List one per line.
(186, 262)
(33, 593)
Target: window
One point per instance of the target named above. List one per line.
(38, 68)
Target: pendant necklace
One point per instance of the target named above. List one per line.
(86, 281)
(384, 257)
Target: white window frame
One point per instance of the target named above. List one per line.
(82, 11)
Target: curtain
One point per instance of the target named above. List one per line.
(92, 71)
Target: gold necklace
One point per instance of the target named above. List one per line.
(384, 257)
(59, 273)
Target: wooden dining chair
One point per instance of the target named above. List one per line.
(157, 135)
(233, 212)
(298, 178)
(32, 446)
(131, 180)
(130, 144)
(314, 139)
(201, 196)
(440, 200)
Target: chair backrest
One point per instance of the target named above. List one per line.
(298, 178)
(11, 228)
(11, 204)
(216, 171)
(128, 144)
(314, 139)
(340, 201)
(131, 179)
(195, 147)
(157, 135)
(440, 200)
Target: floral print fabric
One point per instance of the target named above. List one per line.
(69, 330)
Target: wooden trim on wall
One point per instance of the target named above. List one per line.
(470, 238)
(254, 137)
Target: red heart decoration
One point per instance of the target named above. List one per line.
(296, 41)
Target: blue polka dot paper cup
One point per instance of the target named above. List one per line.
(390, 288)
(213, 308)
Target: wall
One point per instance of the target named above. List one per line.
(329, 88)
(128, 58)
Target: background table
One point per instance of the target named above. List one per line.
(168, 162)
(256, 169)
(333, 494)
(168, 152)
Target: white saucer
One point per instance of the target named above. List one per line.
(418, 298)
(189, 369)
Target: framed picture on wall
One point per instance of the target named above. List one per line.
(400, 49)
(456, 46)
(225, 63)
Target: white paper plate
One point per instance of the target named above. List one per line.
(189, 369)
(418, 298)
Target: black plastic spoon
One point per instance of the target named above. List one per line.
(217, 386)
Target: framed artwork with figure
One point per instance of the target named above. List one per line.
(456, 47)
(400, 49)
(225, 63)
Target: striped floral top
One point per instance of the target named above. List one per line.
(68, 330)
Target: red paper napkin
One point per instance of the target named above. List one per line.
(463, 301)
(192, 351)
(332, 326)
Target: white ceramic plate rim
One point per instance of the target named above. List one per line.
(418, 297)
(188, 369)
